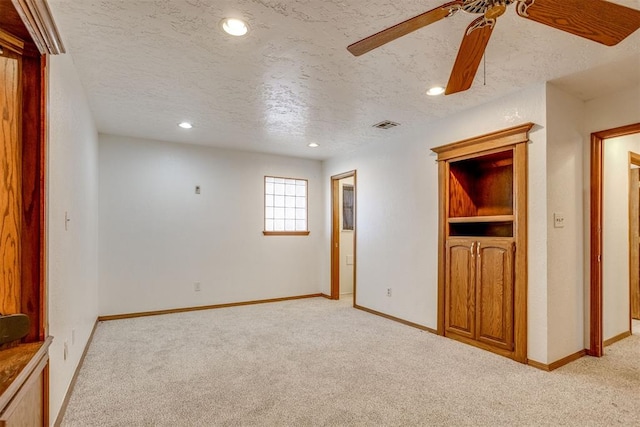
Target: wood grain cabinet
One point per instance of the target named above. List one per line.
(482, 241)
(23, 385)
(479, 283)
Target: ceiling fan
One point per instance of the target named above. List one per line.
(598, 20)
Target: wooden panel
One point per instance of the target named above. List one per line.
(10, 21)
(18, 363)
(634, 242)
(494, 297)
(520, 174)
(443, 235)
(472, 146)
(36, 17)
(558, 363)
(33, 209)
(494, 191)
(460, 202)
(460, 287)
(205, 307)
(335, 239)
(475, 219)
(615, 339)
(27, 408)
(601, 21)
(10, 184)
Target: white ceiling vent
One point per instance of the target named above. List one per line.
(387, 124)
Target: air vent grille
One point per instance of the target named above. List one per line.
(387, 124)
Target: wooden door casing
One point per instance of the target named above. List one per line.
(494, 297)
(634, 242)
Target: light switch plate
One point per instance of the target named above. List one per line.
(558, 220)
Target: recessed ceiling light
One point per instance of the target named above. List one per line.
(185, 125)
(435, 91)
(313, 145)
(235, 27)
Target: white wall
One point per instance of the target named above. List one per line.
(72, 254)
(346, 247)
(397, 215)
(565, 278)
(157, 237)
(608, 112)
(615, 234)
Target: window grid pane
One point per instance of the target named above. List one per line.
(285, 204)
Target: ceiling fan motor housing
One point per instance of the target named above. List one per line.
(492, 8)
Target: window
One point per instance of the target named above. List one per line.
(347, 207)
(285, 206)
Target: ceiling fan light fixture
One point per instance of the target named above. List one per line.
(435, 91)
(185, 125)
(235, 27)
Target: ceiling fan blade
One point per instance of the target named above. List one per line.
(470, 54)
(597, 20)
(404, 28)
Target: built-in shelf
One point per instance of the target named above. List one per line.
(482, 280)
(484, 218)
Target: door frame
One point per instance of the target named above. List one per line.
(634, 160)
(598, 140)
(335, 232)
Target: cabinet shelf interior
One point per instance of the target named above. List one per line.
(482, 186)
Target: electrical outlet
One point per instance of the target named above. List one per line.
(388, 292)
(66, 351)
(73, 337)
(196, 286)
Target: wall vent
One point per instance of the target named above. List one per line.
(387, 124)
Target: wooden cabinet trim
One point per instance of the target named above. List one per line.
(11, 42)
(35, 353)
(472, 146)
(36, 17)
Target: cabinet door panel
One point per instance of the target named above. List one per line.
(494, 298)
(460, 287)
(10, 183)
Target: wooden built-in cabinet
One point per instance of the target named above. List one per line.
(23, 383)
(482, 241)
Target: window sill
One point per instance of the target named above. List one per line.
(286, 233)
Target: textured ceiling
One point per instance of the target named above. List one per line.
(148, 64)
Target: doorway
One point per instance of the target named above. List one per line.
(598, 140)
(343, 236)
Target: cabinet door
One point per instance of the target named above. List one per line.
(494, 293)
(460, 287)
(10, 183)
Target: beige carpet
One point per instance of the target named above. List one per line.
(322, 363)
